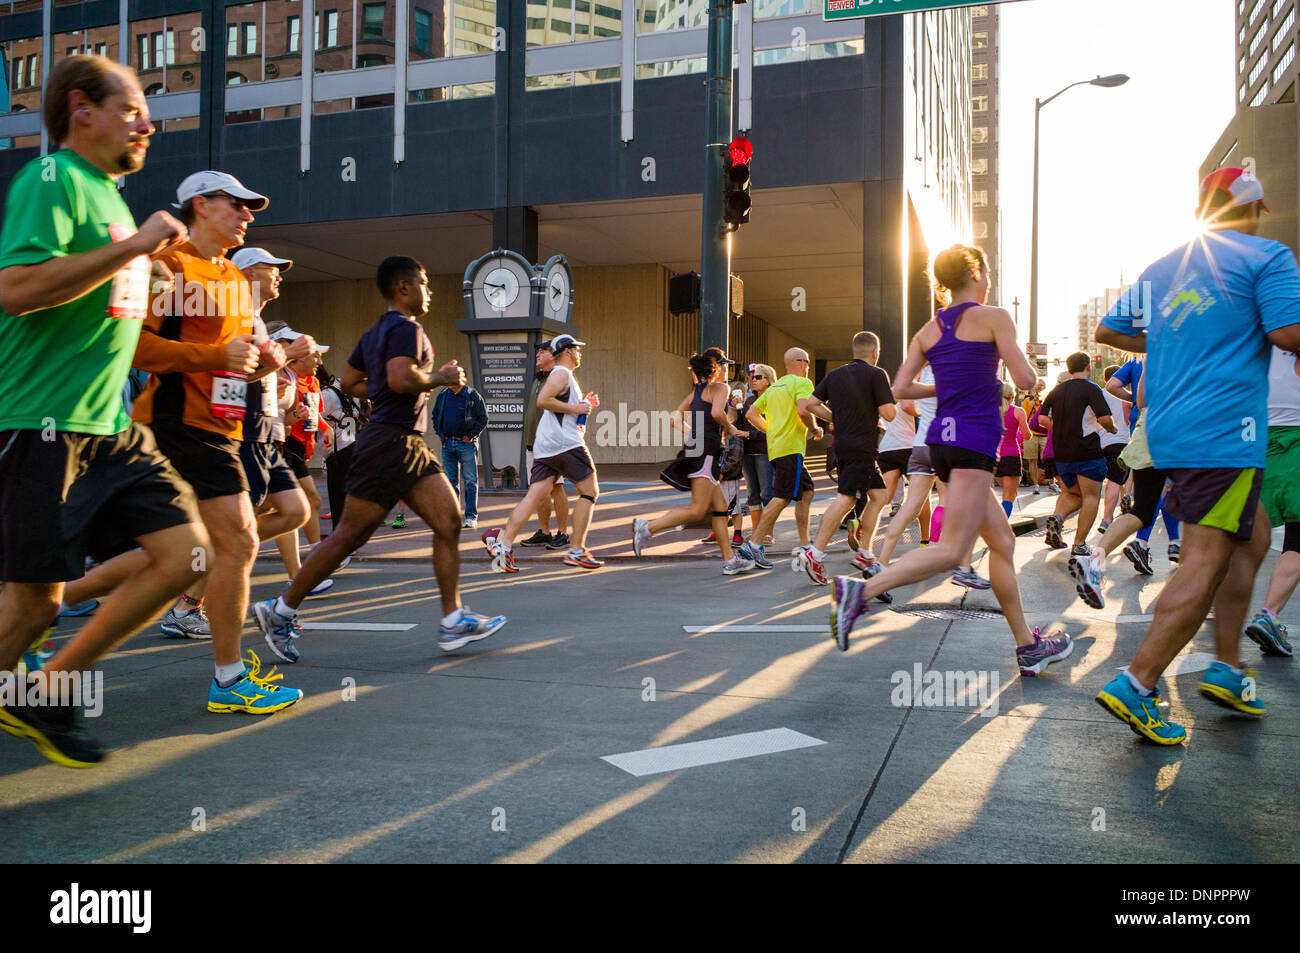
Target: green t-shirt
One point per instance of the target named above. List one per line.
(68, 365)
(786, 433)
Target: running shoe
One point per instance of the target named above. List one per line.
(347, 561)
(471, 627)
(278, 631)
(470, 522)
(736, 565)
(1175, 550)
(324, 586)
(254, 693)
(1089, 575)
(560, 541)
(847, 606)
(399, 521)
(80, 609)
(37, 654)
(873, 567)
(640, 535)
(490, 538)
(797, 556)
(855, 533)
(1053, 538)
(1225, 687)
(57, 731)
(1051, 488)
(1077, 552)
(192, 625)
(1140, 712)
(582, 559)
(862, 561)
(709, 540)
(1032, 659)
(755, 554)
(815, 568)
(537, 539)
(968, 577)
(1269, 634)
(1139, 554)
(893, 510)
(503, 560)
(736, 539)
(1035, 491)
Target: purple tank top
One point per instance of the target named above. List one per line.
(967, 387)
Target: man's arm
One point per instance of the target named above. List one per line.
(548, 399)
(353, 382)
(814, 407)
(479, 409)
(756, 419)
(1134, 343)
(1116, 386)
(407, 377)
(1108, 422)
(1287, 338)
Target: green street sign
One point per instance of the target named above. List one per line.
(852, 9)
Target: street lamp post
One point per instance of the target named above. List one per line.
(1117, 79)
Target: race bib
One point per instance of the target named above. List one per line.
(229, 395)
(311, 423)
(270, 406)
(128, 294)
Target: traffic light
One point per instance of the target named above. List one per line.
(735, 183)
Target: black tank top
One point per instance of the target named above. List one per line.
(702, 416)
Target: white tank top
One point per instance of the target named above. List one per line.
(925, 408)
(1119, 419)
(557, 433)
(1283, 390)
(899, 432)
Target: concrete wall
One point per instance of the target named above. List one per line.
(619, 311)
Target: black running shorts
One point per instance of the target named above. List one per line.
(573, 465)
(1008, 467)
(267, 471)
(857, 477)
(946, 459)
(893, 459)
(206, 461)
(1116, 472)
(388, 461)
(78, 495)
(791, 479)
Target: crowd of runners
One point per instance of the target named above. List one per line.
(168, 488)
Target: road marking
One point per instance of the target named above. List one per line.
(1148, 618)
(358, 626)
(696, 753)
(1191, 662)
(774, 627)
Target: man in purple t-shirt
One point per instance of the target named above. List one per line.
(392, 364)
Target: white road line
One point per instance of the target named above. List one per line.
(773, 627)
(696, 753)
(1146, 618)
(358, 626)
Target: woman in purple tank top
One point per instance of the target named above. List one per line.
(962, 344)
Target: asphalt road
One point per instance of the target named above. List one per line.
(399, 753)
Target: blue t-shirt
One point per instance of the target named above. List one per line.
(1206, 309)
(1129, 375)
(393, 335)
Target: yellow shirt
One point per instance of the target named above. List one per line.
(786, 433)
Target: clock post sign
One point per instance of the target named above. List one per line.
(511, 306)
(852, 9)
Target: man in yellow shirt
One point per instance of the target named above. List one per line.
(776, 413)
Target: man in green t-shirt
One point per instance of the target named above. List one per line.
(76, 476)
(776, 413)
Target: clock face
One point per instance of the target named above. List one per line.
(557, 290)
(500, 288)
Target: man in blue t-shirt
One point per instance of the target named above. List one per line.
(393, 366)
(1205, 315)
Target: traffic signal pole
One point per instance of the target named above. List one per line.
(715, 243)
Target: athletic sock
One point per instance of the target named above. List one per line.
(1006, 506)
(283, 609)
(183, 613)
(1138, 686)
(452, 618)
(1270, 613)
(1239, 672)
(1172, 525)
(227, 675)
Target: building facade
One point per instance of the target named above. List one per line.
(1266, 52)
(444, 128)
(984, 101)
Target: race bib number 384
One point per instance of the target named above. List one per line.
(229, 395)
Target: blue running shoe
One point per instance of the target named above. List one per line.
(471, 627)
(848, 607)
(37, 654)
(278, 631)
(254, 693)
(80, 609)
(1225, 687)
(1269, 634)
(1140, 712)
(750, 550)
(1089, 575)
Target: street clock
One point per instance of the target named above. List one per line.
(499, 285)
(557, 289)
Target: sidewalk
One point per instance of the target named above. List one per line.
(627, 491)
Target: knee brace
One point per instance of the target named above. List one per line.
(716, 513)
(589, 499)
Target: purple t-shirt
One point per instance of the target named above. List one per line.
(393, 335)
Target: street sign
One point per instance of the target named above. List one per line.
(850, 9)
(1036, 350)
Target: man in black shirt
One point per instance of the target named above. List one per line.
(1076, 410)
(859, 396)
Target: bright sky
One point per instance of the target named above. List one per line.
(1117, 167)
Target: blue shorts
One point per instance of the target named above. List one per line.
(1094, 470)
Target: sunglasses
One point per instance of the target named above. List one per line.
(238, 205)
(757, 377)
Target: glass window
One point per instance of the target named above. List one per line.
(282, 48)
(981, 229)
(22, 83)
(763, 9)
(473, 26)
(980, 198)
(333, 33)
(979, 134)
(979, 71)
(293, 27)
(1282, 31)
(979, 166)
(375, 37)
(1258, 98)
(430, 25)
(1284, 63)
(423, 32)
(979, 104)
(979, 41)
(656, 15)
(1258, 38)
(101, 40)
(551, 81)
(372, 20)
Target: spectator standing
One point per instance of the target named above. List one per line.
(459, 417)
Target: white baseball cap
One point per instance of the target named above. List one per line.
(558, 344)
(248, 257)
(289, 334)
(208, 182)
